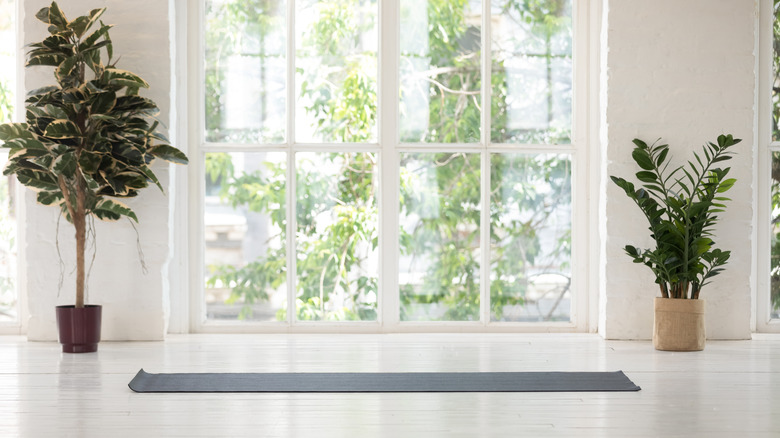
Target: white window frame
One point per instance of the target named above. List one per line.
(763, 165)
(19, 327)
(585, 38)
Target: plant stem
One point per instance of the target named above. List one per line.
(80, 217)
(80, 223)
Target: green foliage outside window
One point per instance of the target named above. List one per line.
(440, 225)
(254, 30)
(6, 101)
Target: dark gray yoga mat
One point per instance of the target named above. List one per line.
(383, 382)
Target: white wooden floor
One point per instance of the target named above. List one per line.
(732, 389)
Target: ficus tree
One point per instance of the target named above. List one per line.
(90, 138)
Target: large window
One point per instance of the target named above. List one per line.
(381, 164)
(8, 295)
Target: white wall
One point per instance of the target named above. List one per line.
(681, 70)
(684, 71)
(133, 302)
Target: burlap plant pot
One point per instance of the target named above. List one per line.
(678, 325)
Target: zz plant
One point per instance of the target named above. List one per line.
(90, 138)
(681, 207)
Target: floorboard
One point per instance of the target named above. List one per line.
(731, 389)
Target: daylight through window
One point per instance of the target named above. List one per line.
(294, 148)
(8, 293)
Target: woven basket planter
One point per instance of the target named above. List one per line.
(678, 325)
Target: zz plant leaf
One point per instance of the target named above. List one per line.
(680, 206)
(90, 137)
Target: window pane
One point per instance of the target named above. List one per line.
(336, 70)
(440, 71)
(7, 60)
(531, 44)
(439, 237)
(776, 75)
(775, 183)
(245, 63)
(8, 296)
(246, 257)
(530, 237)
(775, 227)
(337, 236)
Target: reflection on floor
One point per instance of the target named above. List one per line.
(730, 389)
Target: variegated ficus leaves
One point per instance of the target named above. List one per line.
(91, 132)
(90, 138)
(681, 207)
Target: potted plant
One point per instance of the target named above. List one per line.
(681, 207)
(88, 140)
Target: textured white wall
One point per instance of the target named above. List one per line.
(684, 71)
(133, 305)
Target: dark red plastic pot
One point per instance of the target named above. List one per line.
(79, 328)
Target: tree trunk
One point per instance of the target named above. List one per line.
(80, 223)
(78, 216)
(80, 186)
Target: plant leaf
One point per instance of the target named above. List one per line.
(110, 210)
(64, 164)
(26, 148)
(36, 180)
(43, 15)
(725, 185)
(50, 198)
(10, 131)
(123, 78)
(62, 128)
(56, 16)
(103, 103)
(66, 68)
(647, 176)
(53, 60)
(94, 36)
(152, 177)
(661, 157)
(169, 153)
(642, 158)
(81, 24)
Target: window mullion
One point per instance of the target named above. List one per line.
(484, 226)
(581, 234)
(484, 241)
(291, 224)
(486, 72)
(197, 117)
(388, 294)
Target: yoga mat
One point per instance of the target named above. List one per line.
(383, 382)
